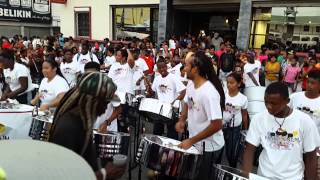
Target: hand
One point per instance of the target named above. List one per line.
(114, 172)
(44, 107)
(33, 102)
(180, 126)
(185, 144)
(103, 128)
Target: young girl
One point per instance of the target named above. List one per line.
(272, 70)
(234, 116)
(69, 68)
(307, 66)
(291, 74)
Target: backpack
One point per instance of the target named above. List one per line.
(227, 62)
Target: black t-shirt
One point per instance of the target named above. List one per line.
(69, 133)
(227, 62)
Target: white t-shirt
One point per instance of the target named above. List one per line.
(282, 156)
(176, 70)
(172, 44)
(238, 103)
(140, 67)
(122, 76)
(167, 88)
(69, 71)
(48, 91)
(254, 69)
(12, 76)
(114, 125)
(82, 60)
(204, 107)
(300, 101)
(110, 60)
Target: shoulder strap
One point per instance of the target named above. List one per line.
(91, 57)
(78, 56)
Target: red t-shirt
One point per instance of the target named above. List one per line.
(150, 63)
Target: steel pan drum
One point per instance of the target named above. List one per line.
(255, 107)
(40, 127)
(156, 110)
(255, 93)
(222, 172)
(111, 143)
(162, 154)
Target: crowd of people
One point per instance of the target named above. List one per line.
(82, 83)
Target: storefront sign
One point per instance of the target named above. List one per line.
(35, 11)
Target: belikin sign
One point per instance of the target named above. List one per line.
(34, 11)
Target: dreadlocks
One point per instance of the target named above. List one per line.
(92, 91)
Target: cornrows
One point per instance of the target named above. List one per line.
(91, 90)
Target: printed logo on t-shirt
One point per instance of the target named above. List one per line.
(313, 113)
(67, 70)
(192, 105)
(164, 88)
(84, 61)
(283, 140)
(44, 93)
(118, 71)
(232, 108)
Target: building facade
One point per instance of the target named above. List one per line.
(112, 19)
(247, 23)
(29, 18)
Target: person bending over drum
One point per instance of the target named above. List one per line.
(18, 83)
(108, 120)
(75, 117)
(204, 102)
(52, 87)
(288, 136)
(168, 88)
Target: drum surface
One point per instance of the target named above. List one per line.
(255, 93)
(163, 155)
(40, 127)
(111, 143)
(156, 110)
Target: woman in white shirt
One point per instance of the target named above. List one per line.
(18, 84)
(69, 68)
(52, 87)
(235, 117)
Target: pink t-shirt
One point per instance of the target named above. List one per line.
(263, 58)
(291, 74)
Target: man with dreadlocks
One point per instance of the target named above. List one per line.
(75, 116)
(204, 102)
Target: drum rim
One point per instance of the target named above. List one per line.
(220, 167)
(111, 133)
(179, 150)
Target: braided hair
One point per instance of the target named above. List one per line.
(92, 91)
(205, 66)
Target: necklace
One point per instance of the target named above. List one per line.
(281, 131)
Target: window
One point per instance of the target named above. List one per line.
(306, 28)
(305, 39)
(82, 24)
(132, 22)
(318, 29)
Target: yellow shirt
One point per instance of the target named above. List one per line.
(272, 67)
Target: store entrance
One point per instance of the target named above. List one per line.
(210, 18)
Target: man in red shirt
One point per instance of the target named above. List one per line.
(149, 60)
